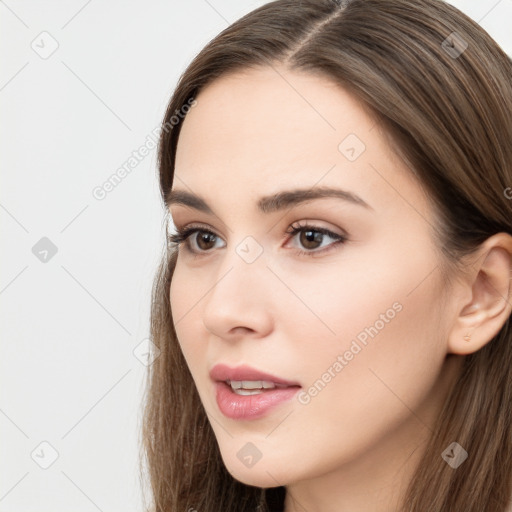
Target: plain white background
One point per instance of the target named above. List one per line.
(82, 85)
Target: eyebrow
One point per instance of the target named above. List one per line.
(274, 202)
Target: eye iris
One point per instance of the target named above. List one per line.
(310, 236)
(205, 237)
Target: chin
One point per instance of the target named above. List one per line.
(257, 478)
(261, 474)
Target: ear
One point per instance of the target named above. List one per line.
(487, 297)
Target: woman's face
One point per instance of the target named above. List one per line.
(357, 324)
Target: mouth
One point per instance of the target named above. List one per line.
(253, 387)
(246, 377)
(241, 403)
(244, 393)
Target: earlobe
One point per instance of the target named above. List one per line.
(489, 287)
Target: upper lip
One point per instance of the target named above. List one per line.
(222, 372)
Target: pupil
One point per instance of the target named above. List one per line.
(204, 238)
(311, 237)
(308, 239)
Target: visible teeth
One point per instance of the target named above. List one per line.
(248, 391)
(251, 384)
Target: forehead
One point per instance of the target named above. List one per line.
(266, 114)
(262, 130)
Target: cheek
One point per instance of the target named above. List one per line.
(381, 362)
(184, 296)
(388, 304)
(358, 402)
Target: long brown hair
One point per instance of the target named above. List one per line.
(447, 111)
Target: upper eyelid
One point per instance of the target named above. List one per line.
(196, 227)
(302, 224)
(296, 227)
(186, 234)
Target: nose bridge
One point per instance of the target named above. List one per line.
(238, 297)
(243, 266)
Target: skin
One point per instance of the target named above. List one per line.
(354, 445)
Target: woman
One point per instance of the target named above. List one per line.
(333, 312)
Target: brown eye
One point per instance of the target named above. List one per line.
(204, 240)
(200, 241)
(192, 243)
(311, 239)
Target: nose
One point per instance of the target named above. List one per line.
(239, 302)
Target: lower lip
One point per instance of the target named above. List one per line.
(250, 407)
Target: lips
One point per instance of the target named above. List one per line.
(223, 373)
(244, 393)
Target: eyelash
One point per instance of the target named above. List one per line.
(182, 236)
